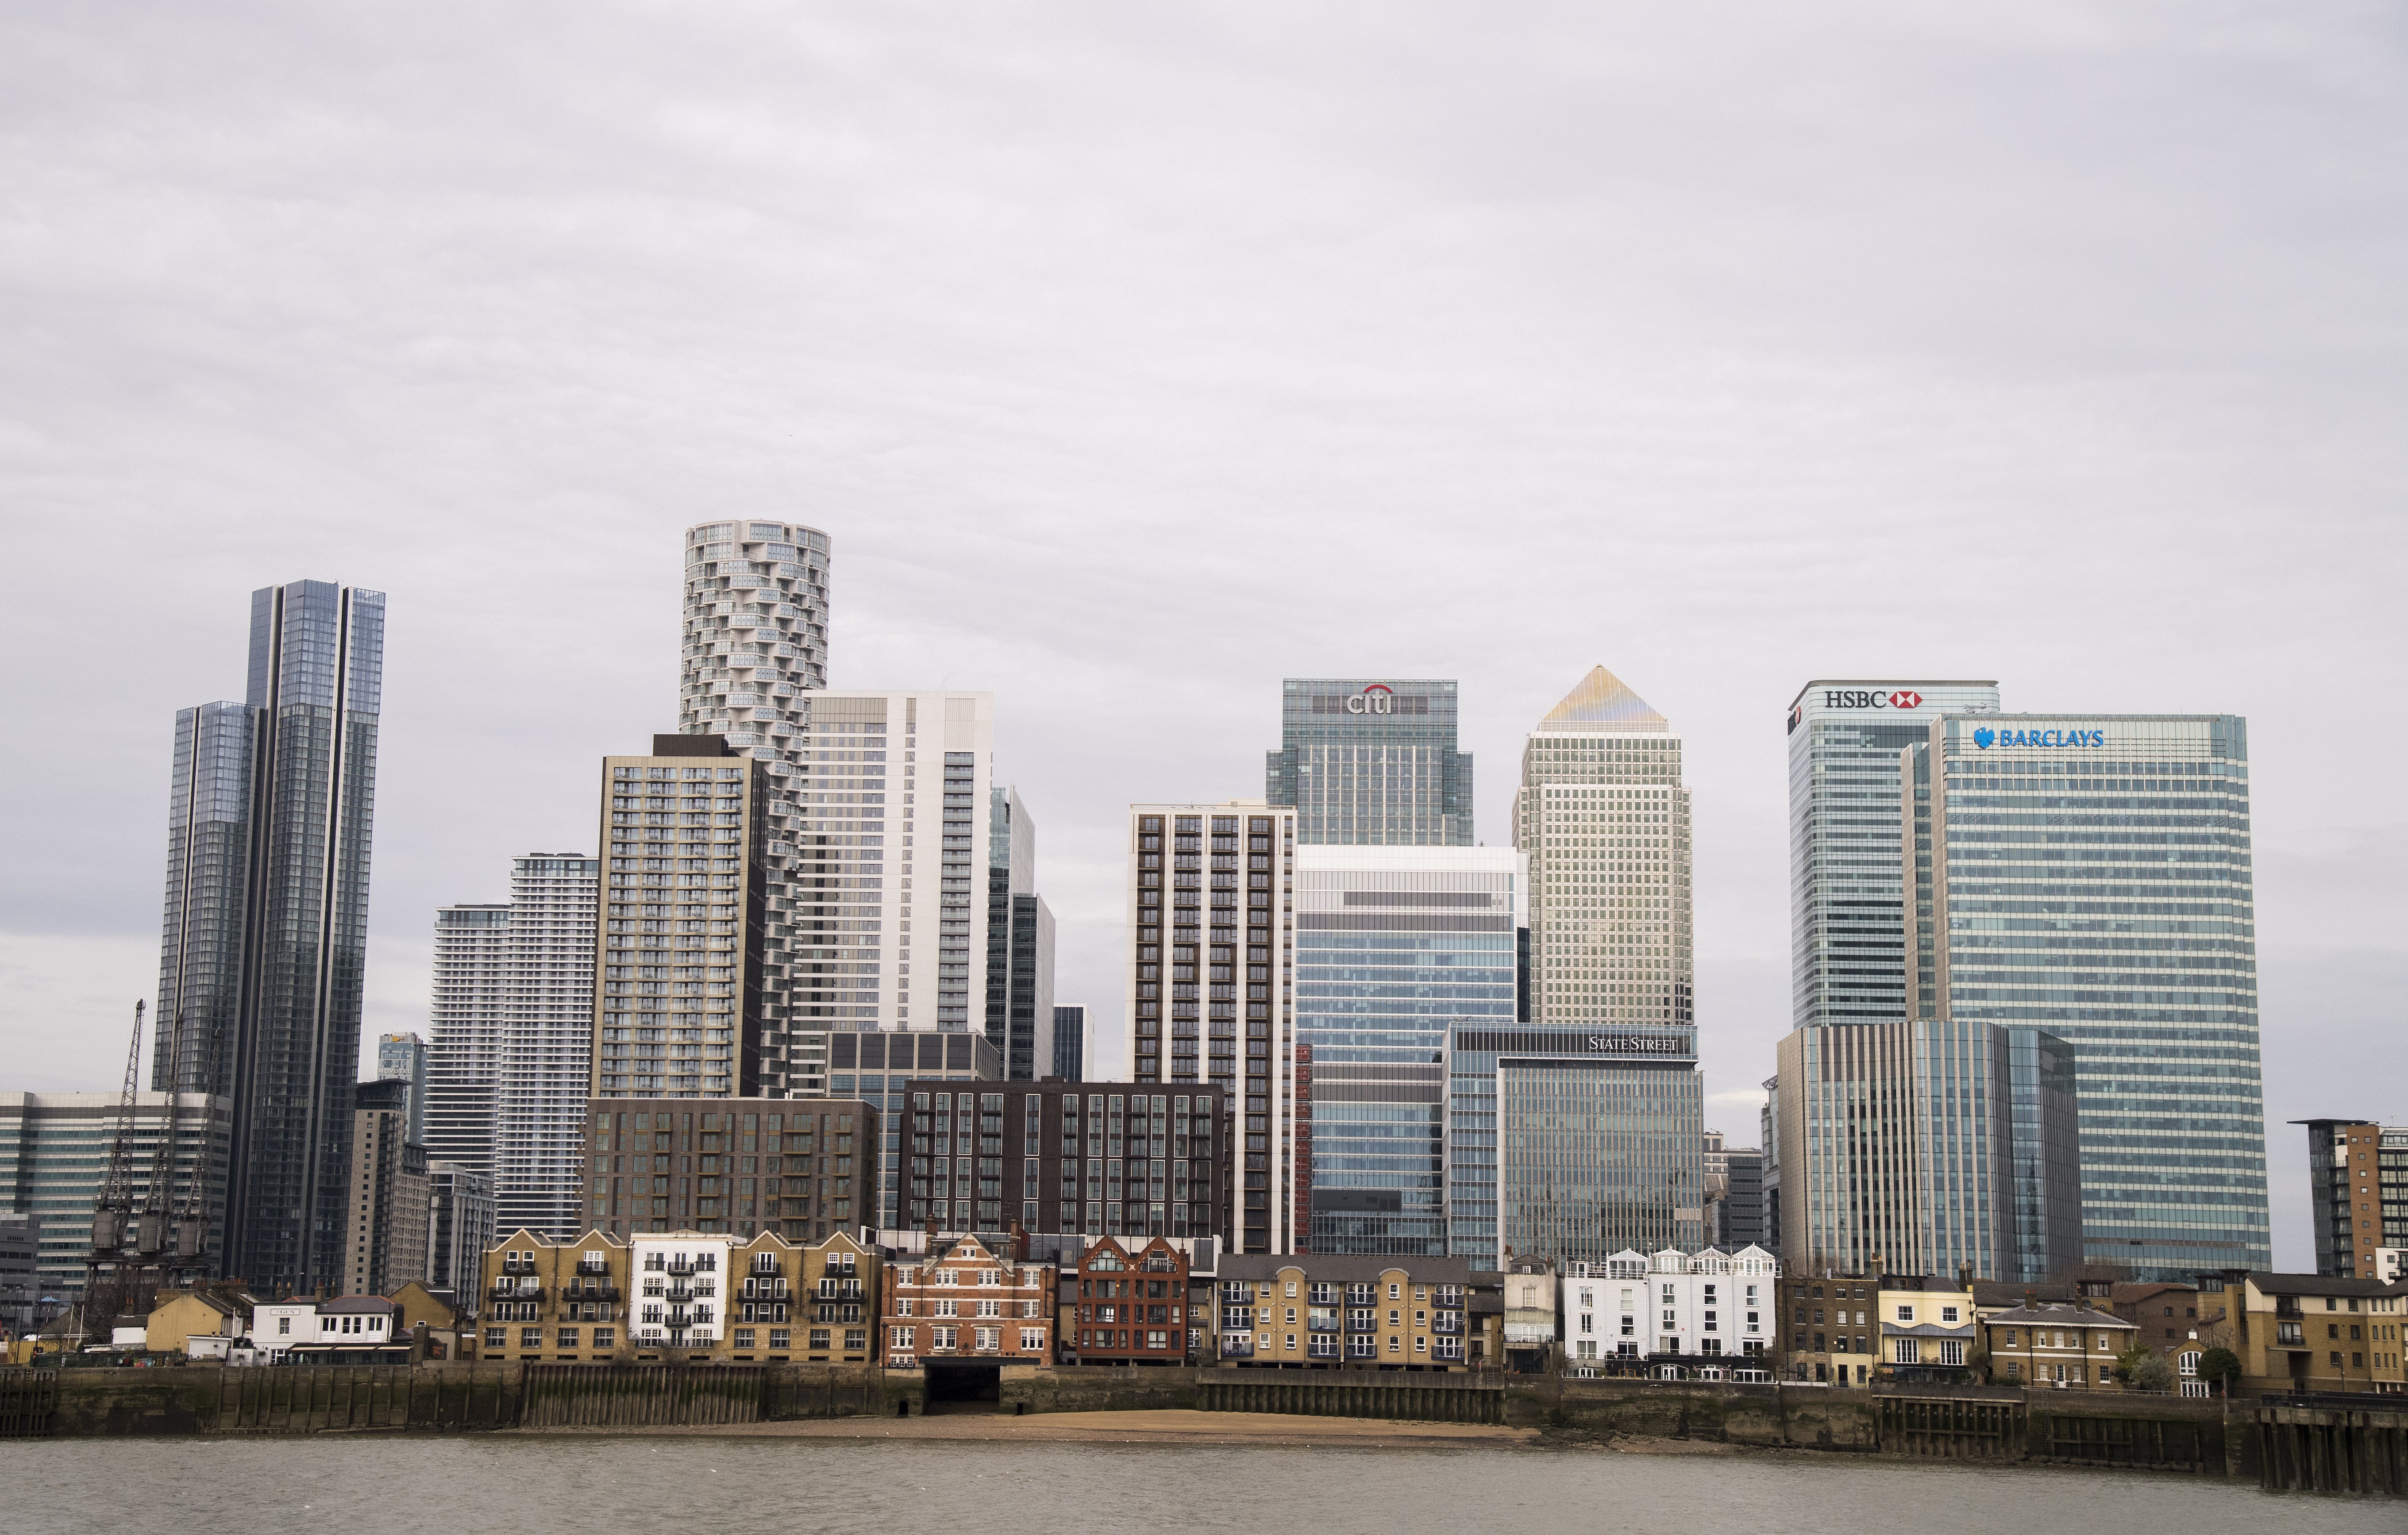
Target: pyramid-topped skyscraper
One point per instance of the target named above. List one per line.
(1598, 1111)
(1605, 702)
(1605, 820)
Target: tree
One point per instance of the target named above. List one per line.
(2220, 1366)
(2142, 1369)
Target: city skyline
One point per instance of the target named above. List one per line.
(1726, 1105)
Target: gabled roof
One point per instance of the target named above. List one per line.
(2007, 1292)
(2333, 1284)
(2062, 1316)
(2129, 1295)
(1604, 701)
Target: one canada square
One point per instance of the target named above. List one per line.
(1592, 1105)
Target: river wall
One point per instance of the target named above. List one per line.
(1996, 1425)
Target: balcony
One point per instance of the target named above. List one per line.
(1447, 1325)
(1446, 1348)
(1321, 1324)
(1362, 1348)
(1238, 1346)
(515, 1289)
(1321, 1348)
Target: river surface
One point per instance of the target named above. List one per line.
(596, 1486)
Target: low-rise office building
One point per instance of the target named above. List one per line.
(964, 1301)
(2071, 1347)
(1673, 1311)
(1127, 1305)
(1331, 1310)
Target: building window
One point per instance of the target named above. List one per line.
(606, 1336)
(498, 1336)
(530, 1338)
(1032, 1340)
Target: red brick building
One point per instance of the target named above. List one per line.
(962, 1301)
(1127, 1305)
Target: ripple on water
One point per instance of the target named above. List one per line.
(592, 1486)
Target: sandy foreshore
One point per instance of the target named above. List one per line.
(1167, 1427)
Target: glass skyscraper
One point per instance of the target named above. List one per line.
(1371, 763)
(2091, 876)
(1588, 1119)
(265, 940)
(1019, 1018)
(1847, 931)
(1925, 1145)
(1395, 946)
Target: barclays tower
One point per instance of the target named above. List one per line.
(2090, 876)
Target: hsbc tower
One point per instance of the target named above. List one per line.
(1848, 924)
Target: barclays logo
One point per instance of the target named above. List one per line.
(1986, 738)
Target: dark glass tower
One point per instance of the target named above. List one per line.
(264, 951)
(1019, 943)
(1371, 763)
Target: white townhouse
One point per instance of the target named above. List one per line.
(1692, 1306)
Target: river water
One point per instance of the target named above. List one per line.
(614, 1486)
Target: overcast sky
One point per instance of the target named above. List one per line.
(1137, 357)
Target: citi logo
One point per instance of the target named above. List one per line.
(1378, 698)
(1854, 699)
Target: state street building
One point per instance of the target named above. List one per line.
(1579, 1129)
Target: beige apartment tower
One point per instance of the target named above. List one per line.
(386, 1212)
(678, 967)
(1212, 993)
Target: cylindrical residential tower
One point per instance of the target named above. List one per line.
(756, 624)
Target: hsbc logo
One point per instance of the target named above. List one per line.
(1855, 698)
